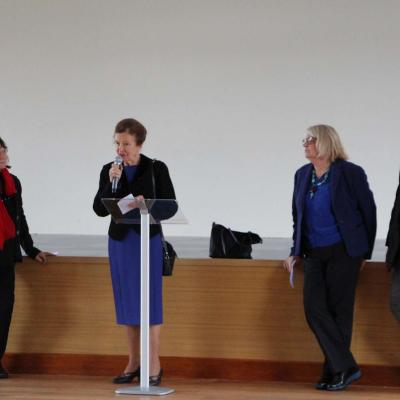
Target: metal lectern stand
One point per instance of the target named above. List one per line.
(153, 211)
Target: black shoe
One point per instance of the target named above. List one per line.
(127, 377)
(156, 380)
(3, 372)
(343, 379)
(323, 382)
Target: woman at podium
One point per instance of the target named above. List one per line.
(14, 232)
(133, 173)
(334, 224)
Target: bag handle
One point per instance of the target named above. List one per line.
(223, 243)
(153, 181)
(223, 240)
(233, 236)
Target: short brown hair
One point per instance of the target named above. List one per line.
(3, 144)
(134, 128)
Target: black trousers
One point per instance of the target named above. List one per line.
(7, 285)
(330, 279)
(395, 292)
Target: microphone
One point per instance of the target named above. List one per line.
(115, 180)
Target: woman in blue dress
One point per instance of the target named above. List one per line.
(135, 176)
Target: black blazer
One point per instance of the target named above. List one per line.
(142, 184)
(393, 236)
(12, 249)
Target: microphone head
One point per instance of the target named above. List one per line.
(118, 160)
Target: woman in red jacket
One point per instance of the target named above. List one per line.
(14, 232)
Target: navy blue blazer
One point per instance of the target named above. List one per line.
(353, 206)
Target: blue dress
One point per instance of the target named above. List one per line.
(124, 258)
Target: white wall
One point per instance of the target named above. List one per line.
(225, 88)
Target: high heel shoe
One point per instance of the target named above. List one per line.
(127, 377)
(156, 379)
(3, 372)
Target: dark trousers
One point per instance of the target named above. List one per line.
(330, 279)
(395, 292)
(7, 285)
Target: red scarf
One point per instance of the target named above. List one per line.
(7, 226)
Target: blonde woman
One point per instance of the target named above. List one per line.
(334, 226)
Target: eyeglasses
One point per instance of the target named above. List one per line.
(309, 140)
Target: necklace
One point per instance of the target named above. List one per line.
(315, 183)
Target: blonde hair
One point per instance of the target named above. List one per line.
(328, 142)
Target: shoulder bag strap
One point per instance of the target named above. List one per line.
(153, 180)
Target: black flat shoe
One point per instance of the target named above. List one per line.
(323, 382)
(3, 372)
(343, 379)
(156, 379)
(127, 377)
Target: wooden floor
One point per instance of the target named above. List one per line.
(46, 387)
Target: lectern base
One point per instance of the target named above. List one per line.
(150, 391)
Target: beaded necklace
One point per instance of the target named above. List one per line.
(315, 183)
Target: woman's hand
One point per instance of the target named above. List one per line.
(290, 262)
(362, 266)
(42, 257)
(136, 203)
(115, 171)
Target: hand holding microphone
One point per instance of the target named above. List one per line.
(115, 173)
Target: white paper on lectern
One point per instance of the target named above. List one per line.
(123, 204)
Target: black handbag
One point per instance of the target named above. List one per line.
(169, 253)
(226, 243)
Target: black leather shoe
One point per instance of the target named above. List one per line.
(3, 372)
(127, 377)
(156, 380)
(323, 382)
(343, 379)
